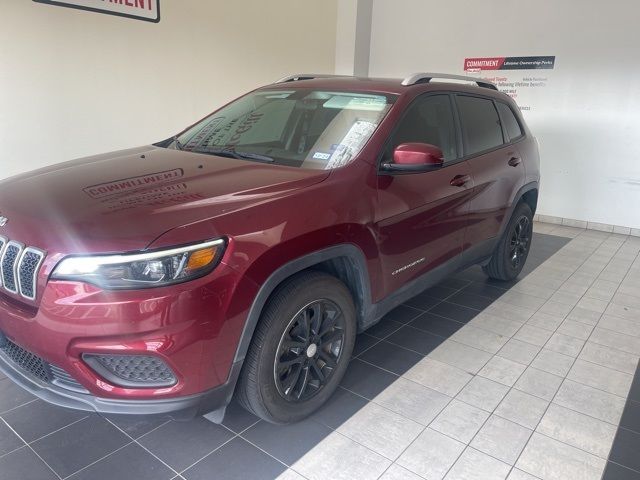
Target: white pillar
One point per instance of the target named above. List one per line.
(353, 37)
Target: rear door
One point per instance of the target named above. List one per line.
(496, 166)
(421, 217)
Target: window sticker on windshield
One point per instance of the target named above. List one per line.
(353, 142)
(270, 95)
(373, 103)
(321, 156)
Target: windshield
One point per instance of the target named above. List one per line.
(300, 128)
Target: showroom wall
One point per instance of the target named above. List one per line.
(353, 37)
(586, 117)
(74, 83)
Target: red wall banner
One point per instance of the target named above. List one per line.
(509, 63)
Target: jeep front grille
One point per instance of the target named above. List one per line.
(19, 268)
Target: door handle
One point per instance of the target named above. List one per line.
(460, 180)
(515, 161)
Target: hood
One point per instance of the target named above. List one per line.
(124, 200)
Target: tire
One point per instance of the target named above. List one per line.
(504, 264)
(283, 346)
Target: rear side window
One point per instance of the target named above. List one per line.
(509, 121)
(480, 124)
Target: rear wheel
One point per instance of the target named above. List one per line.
(513, 249)
(300, 349)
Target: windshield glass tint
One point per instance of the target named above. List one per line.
(301, 128)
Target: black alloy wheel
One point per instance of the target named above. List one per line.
(519, 242)
(513, 247)
(309, 350)
(300, 349)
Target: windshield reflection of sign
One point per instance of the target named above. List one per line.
(352, 143)
(132, 184)
(206, 134)
(214, 134)
(246, 125)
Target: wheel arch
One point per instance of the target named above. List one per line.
(530, 197)
(527, 193)
(345, 261)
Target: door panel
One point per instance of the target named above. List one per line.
(421, 217)
(421, 220)
(496, 183)
(497, 168)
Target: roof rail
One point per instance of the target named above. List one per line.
(427, 77)
(307, 76)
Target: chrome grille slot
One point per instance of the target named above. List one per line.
(19, 268)
(10, 259)
(27, 271)
(3, 243)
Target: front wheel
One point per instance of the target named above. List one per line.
(300, 349)
(513, 249)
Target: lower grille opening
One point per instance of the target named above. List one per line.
(137, 371)
(26, 360)
(38, 367)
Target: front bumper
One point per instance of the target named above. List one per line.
(194, 328)
(178, 408)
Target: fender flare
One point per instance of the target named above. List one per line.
(299, 264)
(516, 200)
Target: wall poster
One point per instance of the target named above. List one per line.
(522, 78)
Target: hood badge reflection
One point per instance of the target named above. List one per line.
(3, 221)
(406, 267)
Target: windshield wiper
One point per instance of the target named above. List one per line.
(231, 153)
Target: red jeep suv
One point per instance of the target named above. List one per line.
(245, 253)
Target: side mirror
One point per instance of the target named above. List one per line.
(414, 158)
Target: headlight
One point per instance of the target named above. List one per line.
(143, 270)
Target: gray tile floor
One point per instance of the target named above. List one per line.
(471, 379)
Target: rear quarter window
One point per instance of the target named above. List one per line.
(481, 126)
(509, 121)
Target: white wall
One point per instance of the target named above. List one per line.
(75, 83)
(588, 120)
(353, 37)
(347, 18)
